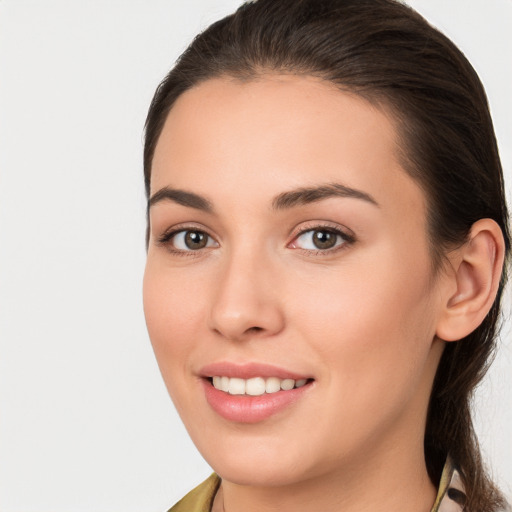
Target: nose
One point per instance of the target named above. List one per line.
(247, 300)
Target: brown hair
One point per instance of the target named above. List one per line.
(387, 53)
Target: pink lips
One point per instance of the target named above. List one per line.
(250, 409)
(248, 371)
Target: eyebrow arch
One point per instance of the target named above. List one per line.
(298, 197)
(306, 195)
(181, 197)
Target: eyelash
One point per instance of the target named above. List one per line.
(348, 239)
(167, 237)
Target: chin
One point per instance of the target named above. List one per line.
(260, 475)
(266, 461)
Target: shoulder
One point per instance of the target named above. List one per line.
(199, 499)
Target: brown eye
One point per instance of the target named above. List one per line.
(195, 239)
(188, 240)
(324, 239)
(321, 239)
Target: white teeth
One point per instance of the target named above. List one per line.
(287, 384)
(272, 385)
(224, 384)
(236, 386)
(256, 386)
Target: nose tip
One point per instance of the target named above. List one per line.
(241, 321)
(246, 305)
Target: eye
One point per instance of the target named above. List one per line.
(187, 240)
(321, 239)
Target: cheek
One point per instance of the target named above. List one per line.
(371, 323)
(172, 310)
(174, 307)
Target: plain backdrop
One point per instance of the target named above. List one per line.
(85, 421)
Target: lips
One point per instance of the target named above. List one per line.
(248, 371)
(253, 392)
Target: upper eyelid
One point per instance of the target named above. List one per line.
(174, 230)
(347, 239)
(295, 231)
(318, 225)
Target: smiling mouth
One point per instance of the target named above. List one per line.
(254, 392)
(255, 386)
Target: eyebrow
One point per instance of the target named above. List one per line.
(181, 197)
(298, 197)
(306, 195)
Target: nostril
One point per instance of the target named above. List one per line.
(255, 329)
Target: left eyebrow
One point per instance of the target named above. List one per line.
(306, 195)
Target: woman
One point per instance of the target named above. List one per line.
(327, 232)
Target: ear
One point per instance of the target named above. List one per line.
(477, 268)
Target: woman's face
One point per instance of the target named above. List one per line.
(288, 248)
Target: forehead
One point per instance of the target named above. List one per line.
(285, 131)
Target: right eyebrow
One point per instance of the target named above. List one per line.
(181, 197)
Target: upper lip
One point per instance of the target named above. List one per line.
(248, 371)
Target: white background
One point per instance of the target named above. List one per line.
(85, 422)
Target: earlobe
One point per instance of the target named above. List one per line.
(476, 277)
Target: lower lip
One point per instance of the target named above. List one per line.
(251, 409)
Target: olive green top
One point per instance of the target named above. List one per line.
(199, 499)
(450, 496)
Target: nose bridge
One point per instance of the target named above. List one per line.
(246, 299)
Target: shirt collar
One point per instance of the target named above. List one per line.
(451, 495)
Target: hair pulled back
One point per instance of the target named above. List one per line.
(388, 54)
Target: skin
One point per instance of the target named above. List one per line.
(360, 319)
